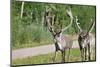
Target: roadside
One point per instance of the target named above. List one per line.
(40, 50)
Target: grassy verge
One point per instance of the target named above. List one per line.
(32, 44)
(47, 58)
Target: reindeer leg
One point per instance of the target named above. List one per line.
(68, 54)
(81, 50)
(85, 53)
(56, 49)
(63, 57)
(54, 57)
(89, 52)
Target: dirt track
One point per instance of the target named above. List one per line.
(34, 51)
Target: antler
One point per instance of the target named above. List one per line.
(77, 23)
(50, 21)
(91, 27)
(69, 13)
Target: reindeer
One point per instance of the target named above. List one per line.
(84, 41)
(61, 41)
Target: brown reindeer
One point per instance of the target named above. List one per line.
(84, 41)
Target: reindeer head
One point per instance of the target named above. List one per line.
(84, 35)
(83, 38)
(56, 32)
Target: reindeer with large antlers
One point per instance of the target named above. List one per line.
(84, 41)
(61, 41)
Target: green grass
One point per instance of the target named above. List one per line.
(31, 44)
(47, 58)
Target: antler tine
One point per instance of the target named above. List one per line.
(77, 23)
(53, 7)
(69, 12)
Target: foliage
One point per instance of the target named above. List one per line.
(30, 28)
